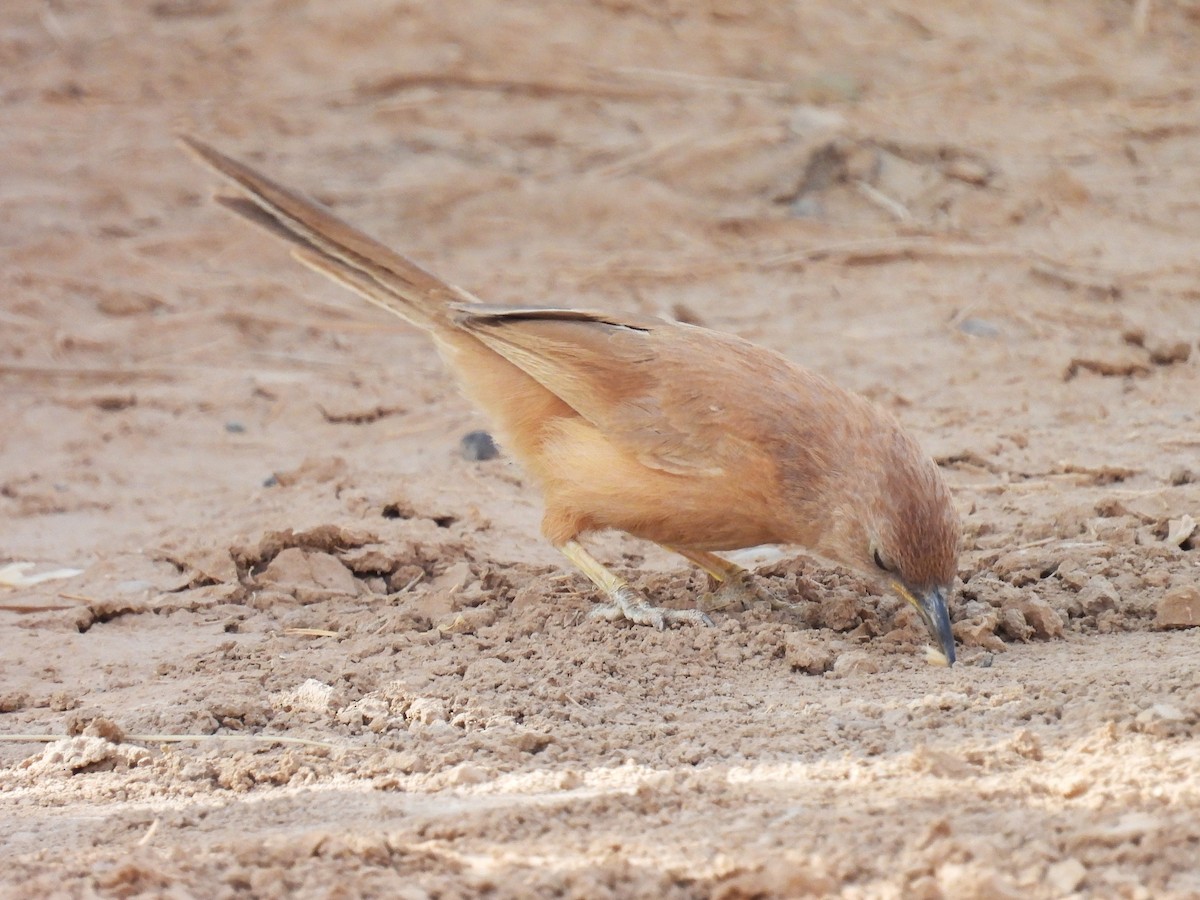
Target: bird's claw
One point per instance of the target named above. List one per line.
(629, 604)
(740, 591)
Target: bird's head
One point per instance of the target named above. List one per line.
(901, 527)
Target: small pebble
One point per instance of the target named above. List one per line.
(1178, 608)
(478, 446)
(235, 427)
(978, 328)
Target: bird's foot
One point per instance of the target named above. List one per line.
(629, 604)
(739, 590)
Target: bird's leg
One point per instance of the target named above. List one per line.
(735, 585)
(624, 601)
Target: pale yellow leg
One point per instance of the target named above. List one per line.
(736, 586)
(625, 602)
(718, 568)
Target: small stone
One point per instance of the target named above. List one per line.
(980, 632)
(14, 701)
(308, 573)
(980, 328)
(1169, 352)
(467, 621)
(1013, 624)
(531, 741)
(971, 171)
(426, 711)
(807, 652)
(1065, 877)
(310, 695)
(1162, 720)
(127, 303)
(840, 613)
(464, 774)
(1040, 616)
(1157, 578)
(478, 446)
(568, 780)
(61, 701)
(235, 427)
(972, 881)
(1027, 744)
(1182, 475)
(105, 728)
(1179, 608)
(1180, 531)
(1072, 575)
(940, 763)
(1098, 595)
(314, 470)
(856, 662)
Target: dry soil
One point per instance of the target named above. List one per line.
(314, 651)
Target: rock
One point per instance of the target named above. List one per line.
(310, 695)
(1180, 531)
(1098, 595)
(971, 881)
(807, 652)
(1071, 575)
(214, 565)
(371, 713)
(1040, 615)
(840, 613)
(478, 446)
(1027, 744)
(1064, 877)
(978, 328)
(1162, 720)
(105, 728)
(980, 632)
(1165, 353)
(314, 470)
(468, 621)
(856, 662)
(940, 763)
(1179, 608)
(374, 559)
(426, 711)
(1181, 475)
(127, 303)
(1013, 624)
(464, 774)
(299, 571)
(84, 753)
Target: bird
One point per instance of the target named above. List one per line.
(688, 437)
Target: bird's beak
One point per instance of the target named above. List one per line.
(933, 611)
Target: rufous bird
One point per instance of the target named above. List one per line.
(677, 434)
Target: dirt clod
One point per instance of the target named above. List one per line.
(1178, 608)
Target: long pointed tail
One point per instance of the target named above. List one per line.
(335, 248)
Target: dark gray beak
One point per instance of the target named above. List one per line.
(932, 607)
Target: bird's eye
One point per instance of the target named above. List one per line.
(880, 562)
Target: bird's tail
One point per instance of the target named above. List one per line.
(335, 248)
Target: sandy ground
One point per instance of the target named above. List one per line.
(313, 651)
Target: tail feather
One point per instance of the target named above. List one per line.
(333, 247)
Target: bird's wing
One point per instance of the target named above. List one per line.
(610, 369)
